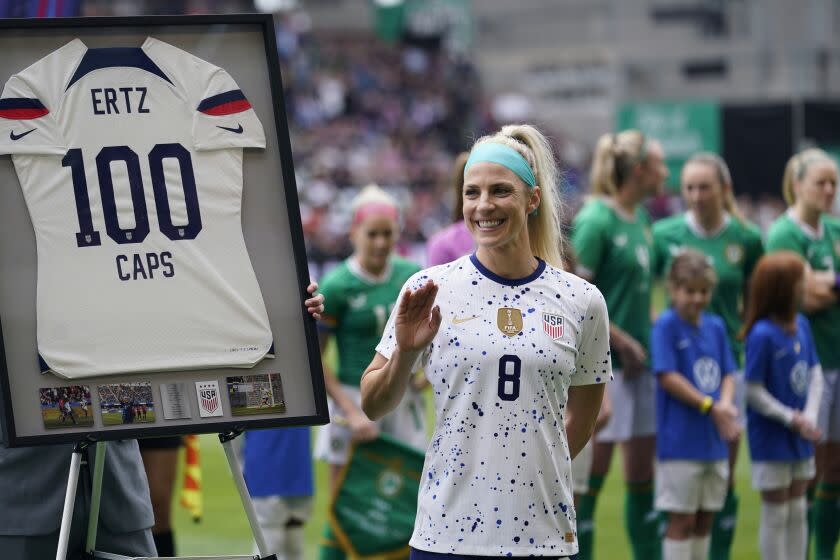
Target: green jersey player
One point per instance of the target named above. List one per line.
(360, 294)
(714, 226)
(809, 187)
(612, 238)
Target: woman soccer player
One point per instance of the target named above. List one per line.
(612, 238)
(516, 350)
(695, 417)
(784, 383)
(807, 228)
(714, 225)
(359, 294)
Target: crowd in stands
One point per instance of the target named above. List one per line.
(114, 395)
(74, 393)
(362, 111)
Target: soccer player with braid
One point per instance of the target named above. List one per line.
(807, 228)
(612, 238)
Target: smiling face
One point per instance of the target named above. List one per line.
(373, 240)
(496, 206)
(691, 298)
(702, 191)
(815, 191)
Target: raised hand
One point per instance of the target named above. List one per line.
(418, 319)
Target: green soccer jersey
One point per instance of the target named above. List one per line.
(356, 308)
(733, 252)
(616, 254)
(822, 251)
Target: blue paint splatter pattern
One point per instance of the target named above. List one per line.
(497, 475)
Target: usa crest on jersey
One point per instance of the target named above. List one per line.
(552, 325)
(209, 403)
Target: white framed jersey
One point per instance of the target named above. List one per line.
(497, 477)
(130, 162)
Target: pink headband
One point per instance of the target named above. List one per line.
(375, 209)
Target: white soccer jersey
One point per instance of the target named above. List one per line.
(130, 161)
(497, 475)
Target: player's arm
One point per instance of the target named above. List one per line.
(764, 403)
(416, 323)
(582, 414)
(722, 412)
(586, 406)
(631, 353)
(604, 414)
(820, 291)
(330, 312)
(362, 428)
(819, 285)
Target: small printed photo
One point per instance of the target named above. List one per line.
(66, 407)
(126, 403)
(256, 394)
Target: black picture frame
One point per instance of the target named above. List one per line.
(264, 23)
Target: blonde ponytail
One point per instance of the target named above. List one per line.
(544, 225)
(615, 156)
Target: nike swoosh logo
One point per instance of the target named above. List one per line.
(234, 130)
(14, 136)
(459, 320)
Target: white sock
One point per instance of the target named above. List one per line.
(676, 550)
(797, 528)
(772, 531)
(294, 543)
(700, 547)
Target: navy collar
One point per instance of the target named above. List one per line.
(508, 281)
(115, 57)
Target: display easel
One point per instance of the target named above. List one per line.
(76, 462)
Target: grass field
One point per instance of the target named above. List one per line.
(225, 530)
(253, 410)
(52, 418)
(114, 418)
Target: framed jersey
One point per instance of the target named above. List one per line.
(152, 266)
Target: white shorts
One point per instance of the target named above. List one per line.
(633, 408)
(274, 513)
(771, 475)
(691, 486)
(407, 423)
(828, 419)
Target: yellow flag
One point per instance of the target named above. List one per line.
(191, 488)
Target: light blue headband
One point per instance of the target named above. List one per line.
(503, 155)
